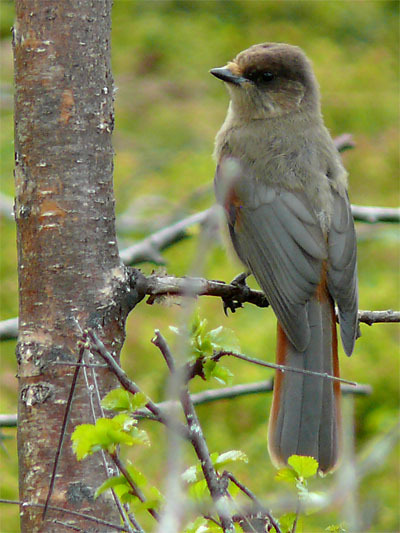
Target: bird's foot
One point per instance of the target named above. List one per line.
(236, 301)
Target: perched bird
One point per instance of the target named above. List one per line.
(282, 185)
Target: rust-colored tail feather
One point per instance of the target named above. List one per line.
(305, 413)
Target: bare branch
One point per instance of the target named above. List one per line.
(213, 395)
(259, 507)
(9, 329)
(66, 511)
(363, 213)
(375, 317)
(282, 368)
(344, 142)
(227, 393)
(149, 249)
(6, 206)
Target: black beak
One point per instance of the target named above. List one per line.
(224, 74)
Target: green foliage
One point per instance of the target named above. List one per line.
(168, 110)
(123, 489)
(205, 344)
(106, 435)
(122, 400)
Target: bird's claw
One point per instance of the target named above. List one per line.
(235, 302)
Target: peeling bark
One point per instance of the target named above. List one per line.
(70, 273)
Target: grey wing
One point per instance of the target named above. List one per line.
(278, 236)
(342, 269)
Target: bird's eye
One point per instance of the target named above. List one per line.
(260, 77)
(266, 76)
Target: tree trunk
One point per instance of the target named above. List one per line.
(70, 274)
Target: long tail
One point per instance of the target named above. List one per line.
(305, 415)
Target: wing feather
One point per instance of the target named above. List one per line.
(283, 245)
(342, 270)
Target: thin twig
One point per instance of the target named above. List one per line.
(66, 511)
(82, 365)
(213, 395)
(63, 430)
(91, 390)
(130, 385)
(135, 489)
(282, 368)
(216, 488)
(254, 499)
(68, 526)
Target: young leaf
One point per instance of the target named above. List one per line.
(85, 441)
(304, 466)
(110, 483)
(286, 474)
(224, 339)
(199, 489)
(222, 374)
(286, 521)
(122, 400)
(230, 457)
(340, 528)
(106, 434)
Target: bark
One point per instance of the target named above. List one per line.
(70, 274)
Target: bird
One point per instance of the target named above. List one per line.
(282, 185)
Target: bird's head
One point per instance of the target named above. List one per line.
(270, 79)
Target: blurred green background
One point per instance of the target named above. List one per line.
(168, 110)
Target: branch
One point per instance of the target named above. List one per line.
(363, 213)
(149, 248)
(9, 329)
(135, 489)
(66, 511)
(374, 317)
(215, 485)
(282, 368)
(258, 506)
(344, 142)
(98, 347)
(6, 206)
(245, 389)
(157, 286)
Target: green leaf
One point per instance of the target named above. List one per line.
(304, 466)
(340, 528)
(137, 476)
(198, 490)
(224, 339)
(208, 368)
(110, 483)
(230, 457)
(122, 400)
(286, 521)
(198, 526)
(286, 474)
(84, 440)
(222, 374)
(106, 434)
